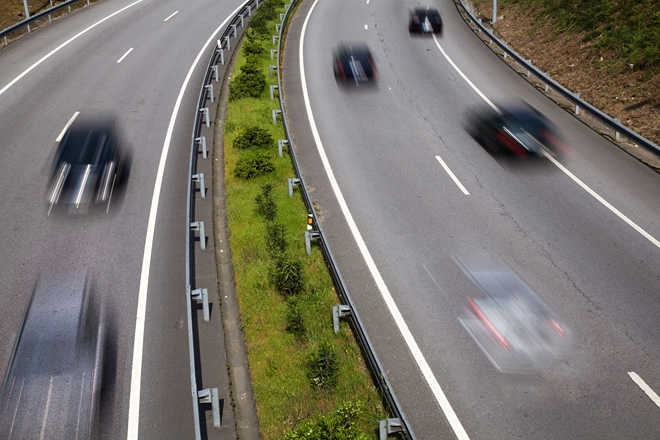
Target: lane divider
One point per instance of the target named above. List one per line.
(647, 389)
(125, 55)
(66, 127)
(451, 174)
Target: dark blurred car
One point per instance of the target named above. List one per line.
(89, 164)
(517, 128)
(425, 20)
(354, 63)
(514, 328)
(52, 389)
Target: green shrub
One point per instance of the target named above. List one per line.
(266, 206)
(323, 366)
(249, 83)
(251, 46)
(287, 275)
(276, 238)
(295, 320)
(253, 136)
(252, 165)
(340, 424)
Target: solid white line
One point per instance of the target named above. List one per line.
(394, 310)
(125, 55)
(647, 389)
(460, 72)
(618, 213)
(605, 203)
(66, 127)
(138, 344)
(171, 16)
(29, 69)
(458, 182)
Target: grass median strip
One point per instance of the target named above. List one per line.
(308, 382)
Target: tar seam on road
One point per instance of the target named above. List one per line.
(136, 369)
(387, 297)
(451, 174)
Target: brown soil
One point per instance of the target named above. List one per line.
(630, 94)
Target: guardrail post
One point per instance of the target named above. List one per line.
(203, 296)
(309, 237)
(199, 226)
(257, 6)
(271, 68)
(547, 75)
(275, 113)
(577, 107)
(205, 110)
(388, 426)
(202, 140)
(249, 11)
(617, 135)
(199, 178)
(209, 87)
(275, 37)
(292, 182)
(228, 43)
(242, 21)
(529, 62)
(280, 144)
(277, 29)
(338, 312)
(214, 68)
(273, 87)
(210, 395)
(272, 52)
(282, 17)
(234, 28)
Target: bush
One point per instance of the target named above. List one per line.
(340, 424)
(252, 46)
(276, 238)
(253, 137)
(323, 366)
(266, 206)
(252, 165)
(287, 275)
(295, 321)
(249, 83)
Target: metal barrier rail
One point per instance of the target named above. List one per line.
(193, 293)
(399, 423)
(4, 33)
(544, 77)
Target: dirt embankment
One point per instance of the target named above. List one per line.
(630, 94)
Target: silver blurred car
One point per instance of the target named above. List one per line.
(514, 328)
(52, 388)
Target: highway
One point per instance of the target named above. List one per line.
(582, 231)
(129, 59)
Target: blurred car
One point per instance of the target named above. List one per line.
(89, 164)
(515, 128)
(52, 389)
(424, 20)
(513, 327)
(353, 62)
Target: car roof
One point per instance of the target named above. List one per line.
(423, 10)
(82, 142)
(355, 48)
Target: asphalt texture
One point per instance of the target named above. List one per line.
(591, 267)
(141, 90)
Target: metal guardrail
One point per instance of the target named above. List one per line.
(193, 293)
(48, 12)
(399, 423)
(544, 77)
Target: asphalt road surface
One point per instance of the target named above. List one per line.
(581, 231)
(129, 59)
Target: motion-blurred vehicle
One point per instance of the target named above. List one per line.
(514, 328)
(425, 20)
(52, 388)
(354, 63)
(89, 165)
(517, 129)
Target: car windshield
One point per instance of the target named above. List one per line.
(82, 146)
(527, 121)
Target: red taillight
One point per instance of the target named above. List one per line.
(487, 322)
(510, 143)
(554, 141)
(557, 327)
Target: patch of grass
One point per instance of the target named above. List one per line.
(281, 330)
